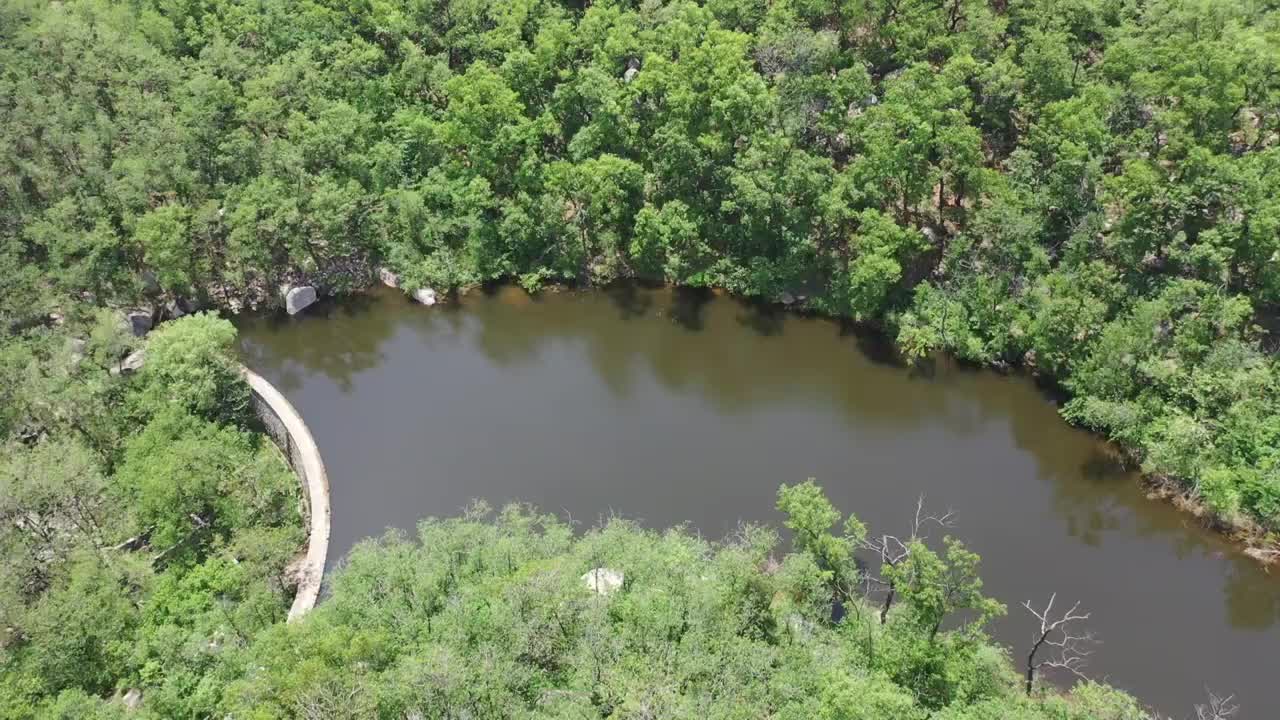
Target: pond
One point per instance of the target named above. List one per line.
(686, 407)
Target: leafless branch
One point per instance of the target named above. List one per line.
(1070, 651)
(1218, 708)
(922, 518)
(893, 550)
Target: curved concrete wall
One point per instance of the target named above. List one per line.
(287, 428)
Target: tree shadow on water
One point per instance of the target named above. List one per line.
(764, 319)
(874, 345)
(688, 305)
(632, 300)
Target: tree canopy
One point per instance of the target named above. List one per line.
(492, 615)
(145, 530)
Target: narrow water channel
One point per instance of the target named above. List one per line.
(675, 407)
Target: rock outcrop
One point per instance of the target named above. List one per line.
(603, 580)
(426, 296)
(140, 322)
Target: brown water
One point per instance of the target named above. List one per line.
(685, 407)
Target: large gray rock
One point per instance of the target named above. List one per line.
(603, 580)
(633, 69)
(133, 699)
(426, 296)
(388, 278)
(139, 322)
(299, 298)
(77, 346)
(131, 363)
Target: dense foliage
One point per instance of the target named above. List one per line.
(145, 529)
(493, 619)
(1082, 186)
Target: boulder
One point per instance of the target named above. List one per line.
(133, 699)
(131, 363)
(602, 580)
(299, 298)
(426, 296)
(1263, 555)
(174, 310)
(629, 75)
(139, 322)
(787, 298)
(388, 278)
(77, 346)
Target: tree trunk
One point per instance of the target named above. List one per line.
(1031, 660)
(888, 600)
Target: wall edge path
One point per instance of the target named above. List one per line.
(290, 432)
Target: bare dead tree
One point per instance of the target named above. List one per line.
(1057, 632)
(894, 550)
(1218, 708)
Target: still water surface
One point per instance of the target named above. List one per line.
(674, 407)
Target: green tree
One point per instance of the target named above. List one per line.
(936, 587)
(166, 247)
(810, 517)
(191, 364)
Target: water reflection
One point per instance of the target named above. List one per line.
(341, 339)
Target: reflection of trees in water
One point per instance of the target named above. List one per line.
(1101, 495)
(786, 357)
(1253, 598)
(691, 341)
(333, 338)
(632, 301)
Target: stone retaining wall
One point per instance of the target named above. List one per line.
(287, 429)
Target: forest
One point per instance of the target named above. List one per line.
(145, 523)
(1082, 189)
